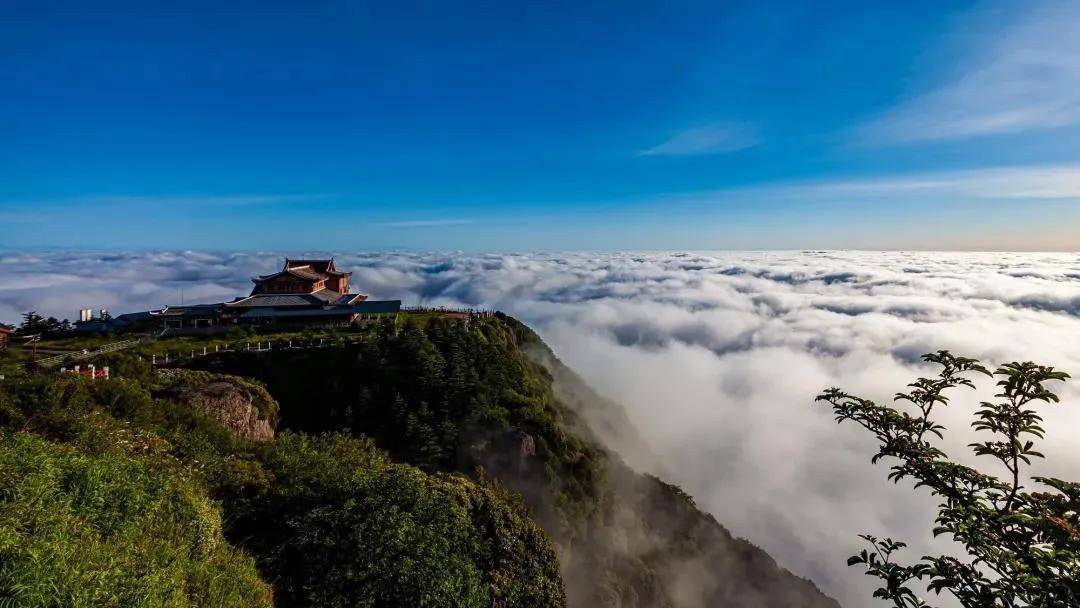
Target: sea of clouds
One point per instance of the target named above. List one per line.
(716, 357)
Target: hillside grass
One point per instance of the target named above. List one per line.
(88, 530)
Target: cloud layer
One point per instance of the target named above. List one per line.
(716, 356)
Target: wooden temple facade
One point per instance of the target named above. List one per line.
(304, 276)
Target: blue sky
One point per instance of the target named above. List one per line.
(346, 125)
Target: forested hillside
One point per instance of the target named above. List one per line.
(432, 462)
(451, 397)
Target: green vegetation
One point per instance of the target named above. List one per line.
(326, 519)
(444, 396)
(456, 397)
(409, 464)
(340, 525)
(86, 530)
(1023, 546)
(33, 323)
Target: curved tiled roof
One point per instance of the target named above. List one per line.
(277, 299)
(326, 267)
(304, 272)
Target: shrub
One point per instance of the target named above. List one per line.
(1023, 546)
(340, 525)
(79, 530)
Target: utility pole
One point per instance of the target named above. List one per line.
(32, 342)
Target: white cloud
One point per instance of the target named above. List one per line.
(708, 139)
(1021, 73)
(1033, 182)
(1009, 183)
(716, 357)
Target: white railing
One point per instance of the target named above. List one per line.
(87, 354)
(259, 346)
(472, 312)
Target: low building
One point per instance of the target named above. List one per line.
(304, 293)
(5, 337)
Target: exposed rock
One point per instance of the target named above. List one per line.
(526, 446)
(232, 406)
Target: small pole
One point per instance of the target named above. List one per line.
(153, 359)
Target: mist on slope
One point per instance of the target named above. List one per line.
(715, 356)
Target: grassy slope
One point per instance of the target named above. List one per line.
(84, 528)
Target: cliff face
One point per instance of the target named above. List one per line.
(490, 399)
(650, 545)
(232, 407)
(243, 407)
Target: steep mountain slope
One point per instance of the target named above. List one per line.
(658, 548)
(482, 399)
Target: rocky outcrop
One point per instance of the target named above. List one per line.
(233, 407)
(240, 405)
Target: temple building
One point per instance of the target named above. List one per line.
(5, 336)
(304, 293)
(305, 276)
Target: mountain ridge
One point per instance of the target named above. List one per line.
(472, 441)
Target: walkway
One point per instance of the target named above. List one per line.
(83, 355)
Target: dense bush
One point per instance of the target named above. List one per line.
(79, 530)
(334, 523)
